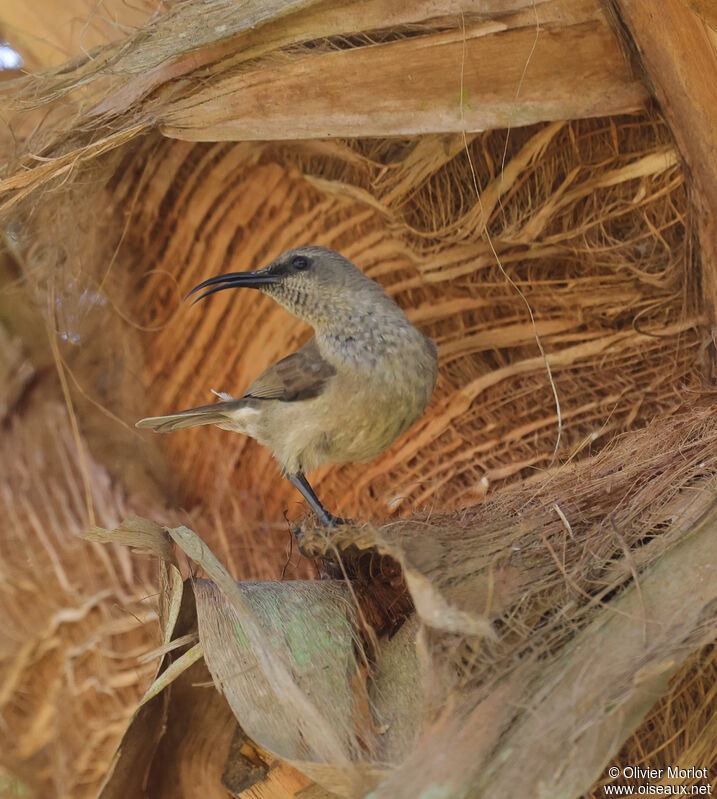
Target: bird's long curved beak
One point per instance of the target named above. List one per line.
(234, 280)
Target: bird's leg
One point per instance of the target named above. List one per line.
(307, 492)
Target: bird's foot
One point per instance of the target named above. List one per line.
(325, 518)
(329, 520)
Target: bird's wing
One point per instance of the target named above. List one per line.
(301, 375)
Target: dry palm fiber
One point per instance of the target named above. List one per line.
(610, 317)
(598, 581)
(607, 273)
(76, 619)
(48, 34)
(591, 223)
(680, 728)
(609, 284)
(543, 556)
(291, 46)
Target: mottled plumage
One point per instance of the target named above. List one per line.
(348, 393)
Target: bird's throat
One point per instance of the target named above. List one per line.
(364, 347)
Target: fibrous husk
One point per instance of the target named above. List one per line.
(76, 618)
(503, 394)
(109, 224)
(686, 709)
(296, 69)
(597, 581)
(610, 290)
(289, 659)
(309, 625)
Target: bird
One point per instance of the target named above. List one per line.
(359, 383)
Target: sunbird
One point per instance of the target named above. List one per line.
(363, 379)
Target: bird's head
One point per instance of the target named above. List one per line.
(313, 283)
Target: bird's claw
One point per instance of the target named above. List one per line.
(329, 520)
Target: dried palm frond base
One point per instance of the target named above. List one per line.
(77, 619)
(588, 219)
(517, 600)
(548, 622)
(680, 728)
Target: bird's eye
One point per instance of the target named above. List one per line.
(300, 262)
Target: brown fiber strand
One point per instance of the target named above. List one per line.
(487, 234)
(586, 222)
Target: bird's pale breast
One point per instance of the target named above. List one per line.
(358, 415)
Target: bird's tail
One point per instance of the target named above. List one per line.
(217, 413)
